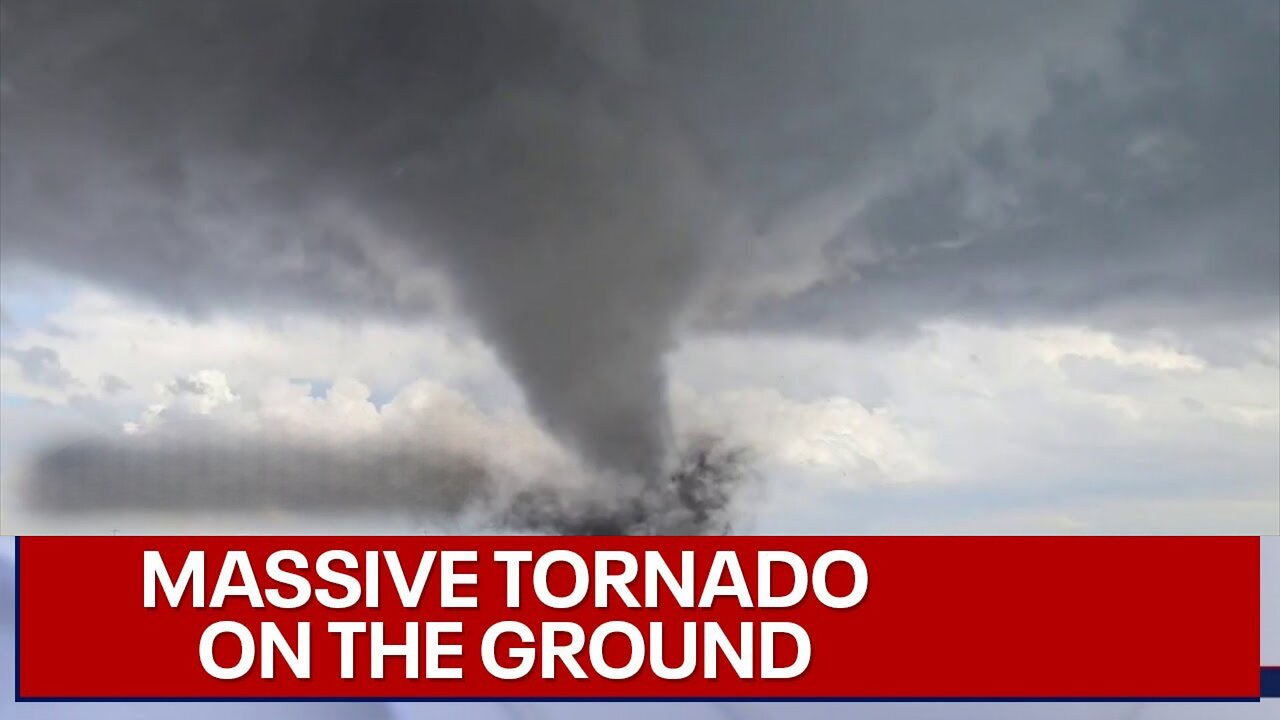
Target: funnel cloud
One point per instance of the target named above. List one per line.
(567, 208)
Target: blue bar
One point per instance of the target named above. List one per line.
(1270, 687)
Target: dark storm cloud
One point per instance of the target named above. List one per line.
(1147, 193)
(583, 174)
(190, 154)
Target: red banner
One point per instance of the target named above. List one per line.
(545, 617)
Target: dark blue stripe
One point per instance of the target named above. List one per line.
(17, 625)
(1270, 687)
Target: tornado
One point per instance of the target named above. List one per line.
(187, 154)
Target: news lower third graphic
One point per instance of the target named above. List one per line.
(764, 618)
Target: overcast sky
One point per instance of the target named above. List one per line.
(998, 266)
(988, 266)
